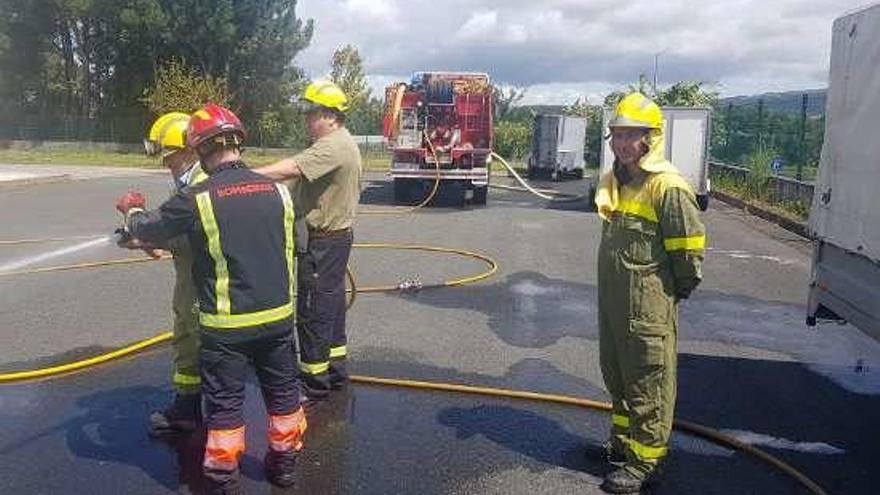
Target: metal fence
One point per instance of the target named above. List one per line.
(780, 189)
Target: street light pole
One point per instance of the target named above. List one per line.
(657, 68)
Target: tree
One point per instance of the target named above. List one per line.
(90, 58)
(180, 88)
(347, 71)
(680, 94)
(504, 100)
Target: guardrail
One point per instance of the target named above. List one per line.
(782, 189)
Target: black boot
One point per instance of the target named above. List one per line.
(280, 467)
(181, 417)
(219, 482)
(625, 480)
(614, 456)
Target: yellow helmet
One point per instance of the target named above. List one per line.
(637, 110)
(326, 94)
(168, 131)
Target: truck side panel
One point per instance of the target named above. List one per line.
(845, 215)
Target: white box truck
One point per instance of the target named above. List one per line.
(845, 214)
(687, 131)
(557, 147)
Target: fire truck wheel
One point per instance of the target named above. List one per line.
(403, 191)
(481, 195)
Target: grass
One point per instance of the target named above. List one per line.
(373, 161)
(795, 210)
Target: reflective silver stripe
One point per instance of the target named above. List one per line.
(289, 237)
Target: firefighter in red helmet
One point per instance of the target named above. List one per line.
(241, 229)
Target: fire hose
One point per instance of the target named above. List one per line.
(698, 430)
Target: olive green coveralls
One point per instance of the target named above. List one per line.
(185, 306)
(650, 257)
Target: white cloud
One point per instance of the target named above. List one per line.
(559, 48)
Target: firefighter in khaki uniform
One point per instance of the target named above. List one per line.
(167, 140)
(326, 188)
(649, 259)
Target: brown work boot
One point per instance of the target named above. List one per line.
(280, 467)
(181, 417)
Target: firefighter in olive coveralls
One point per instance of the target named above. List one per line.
(167, 140)
(649, 259)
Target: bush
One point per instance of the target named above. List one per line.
(758, 163)
(513, 139)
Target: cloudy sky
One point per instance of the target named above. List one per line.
(560, 49)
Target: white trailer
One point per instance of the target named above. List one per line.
(687, 131)
(558, 147)
(845, 214)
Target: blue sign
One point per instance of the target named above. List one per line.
(776, 165)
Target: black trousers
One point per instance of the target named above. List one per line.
(225, 356)
(320, 320)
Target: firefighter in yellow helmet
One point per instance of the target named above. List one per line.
(325, 181)
(650, 258)
(167, 140)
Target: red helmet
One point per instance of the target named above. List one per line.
(213, 121)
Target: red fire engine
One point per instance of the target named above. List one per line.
(445, 118)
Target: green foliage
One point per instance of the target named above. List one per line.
(93, 59)
(179, 88)
(504, 100)
(347, 71)
(512, 139)
(366, 119)
(269, 127)
(680, 94)
(758, 163)
(737, 131)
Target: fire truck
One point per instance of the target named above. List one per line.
(440, 123)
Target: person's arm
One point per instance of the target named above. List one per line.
(684, 237)
(175, 217)
(310, 164)
(281, 170)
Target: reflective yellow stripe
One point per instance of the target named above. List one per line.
(621, 421)
(644, 452)
(212, 232)
(199, 175)
(182, 379)
(338, 352)
(289, 247)
(679, 243)
(642, 210)
(246, 319)
(314, 368)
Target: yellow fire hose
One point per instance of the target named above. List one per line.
(701, 431)
(548, 194)
(428, 198)
(695, 429)
(681, 425)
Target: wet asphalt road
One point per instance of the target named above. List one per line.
(747, 365)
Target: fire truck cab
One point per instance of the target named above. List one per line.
(440, 120)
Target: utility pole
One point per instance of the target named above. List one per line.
(803, 153)
(729, 124)
(657, 69)
(760, 123)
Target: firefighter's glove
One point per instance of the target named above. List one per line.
(131, 200)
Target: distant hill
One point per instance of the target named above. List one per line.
(786, 102)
